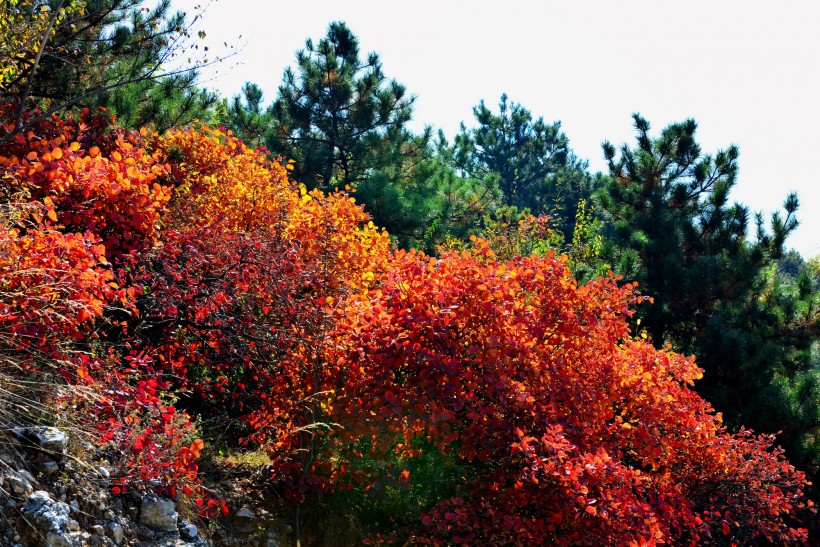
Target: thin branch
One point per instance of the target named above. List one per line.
(150, 76)
(27, 90)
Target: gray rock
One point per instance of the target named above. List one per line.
(188, 530)
(98, 530)
(50, 467)
(19, 485)
(245, 521)
(108, 515)
(245, 514)
(26, 475)
(51, 518)
(115, 532)
(48, 439)
(158, 513)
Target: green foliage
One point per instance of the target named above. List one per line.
(529, 160)
(344, 123)
(173, 101)
(246, 116)
(586, 251)
(422, 200)
(406, 485)
(771, 337)
(116, 54)
(338, 115)
(673, 230)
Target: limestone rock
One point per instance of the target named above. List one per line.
(115, 532)
(188, 530)
(50, 467)
(158, 513)
(48, 439)
(51, 519)
(245, 514)
(20, 485)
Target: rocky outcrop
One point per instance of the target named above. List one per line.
(50, 500)
(56, 492)
(51, 520)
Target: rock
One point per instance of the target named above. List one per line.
(158, 513)
(26, 475)
(47, 439)
(108, 515)
(51, 519)
(98, 530)
(19, 485)
(244, 514)
(245, 521)
(115, 532)
(188, 530)
(50, 467)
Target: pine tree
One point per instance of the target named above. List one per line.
(248, 118)
(673, 230)
(338, 115)
(345, 126)
(529, 160)
(115, 54)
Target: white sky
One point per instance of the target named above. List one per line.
(746, 70)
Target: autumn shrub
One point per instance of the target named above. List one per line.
(579, 433)
(90, 176)
(82, 200)
(129, 412)
(238, 302)
(478, 398)
(356, 366)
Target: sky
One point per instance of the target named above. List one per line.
(746, 71)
